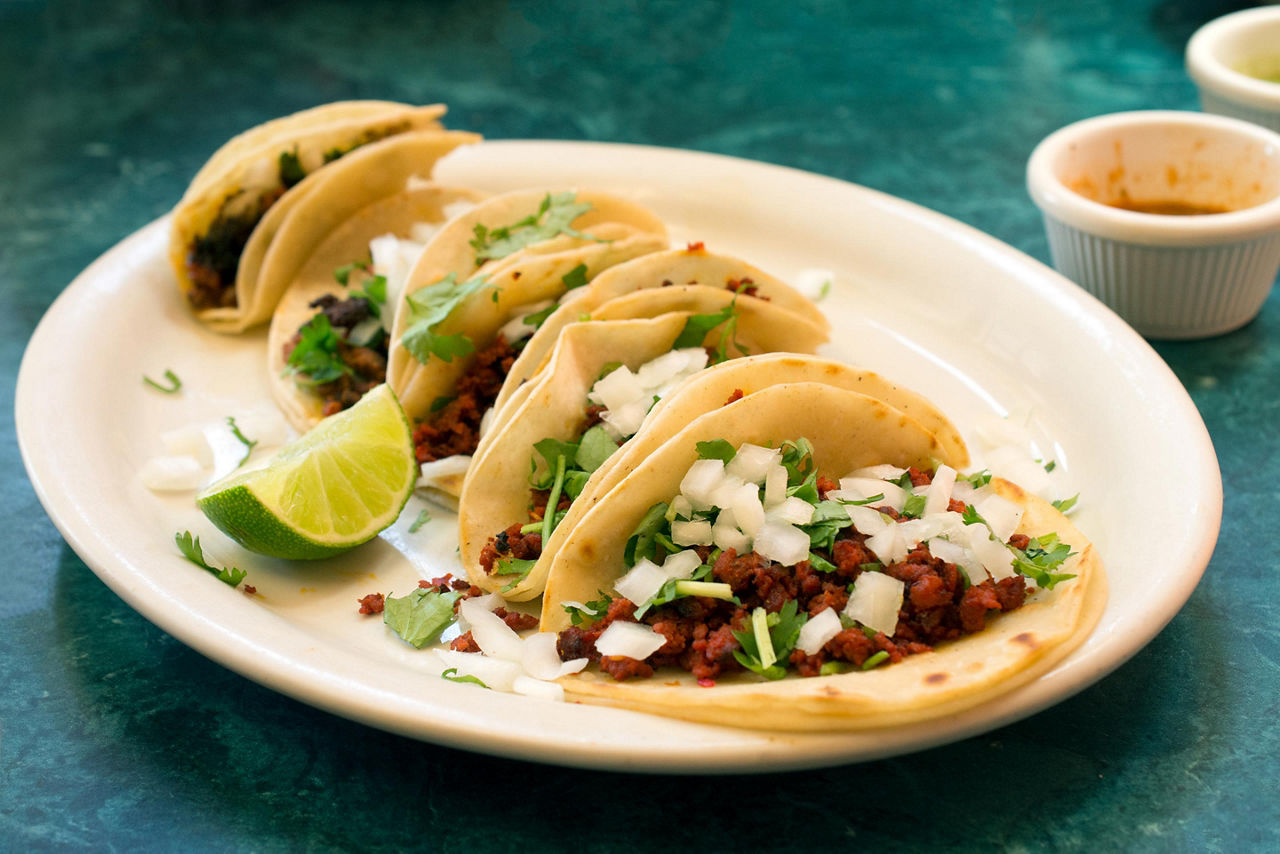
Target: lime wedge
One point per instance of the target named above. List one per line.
(326, 492)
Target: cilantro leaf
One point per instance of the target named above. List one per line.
(643, 541)
(575, 278)
(551, 450)
(190, 548)
(979, 479)
(343, 274)
(588, 611)
(554, 216)
(784, 631)
(171, 388)
(914, 506)
(316, 353)
(430, 306)
(699, 326)
(248, 443)
(424, 516)
(716, 449)
(421, 616)
(374, 293)
(1042, 556)
(1065, 504)
(291, 171)
(594, 448)
(451, 675)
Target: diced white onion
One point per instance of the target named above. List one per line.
(747, 509)
(445, 467)
(813, 283)
(681, 508)
(875, 601)
(724, 493)
(926, 527)
(785, 544)
(888, 545)
(867, 520)
(820, 628)
(494, 637)
(495, 673)
(626, 420)
(725, 534)
(641, 582)
(696, 533)
(960, 556)
(752, 463)
(657, 371)
(538, 689)
(633, 640)
(880, 472)
(682, 564)
(188, 441)
(938, 493)
(172, 474)
(775, 485)
(793, 510)
(701, 479)
(540, 659)
(615, 390)
(859, 488)
(516, 329)
(1002, 515)
(995, 557)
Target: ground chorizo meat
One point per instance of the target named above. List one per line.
(374, 603)
(455, 428)
(938, 605)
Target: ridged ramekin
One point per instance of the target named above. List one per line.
(1169, 276)
(1221, 55)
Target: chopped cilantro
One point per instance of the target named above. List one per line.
(875, 660)
(820, 563)
(374, 293)
(972, 517)
(699, 326)
(914, 506)
(783, 629)
(291, 171)
(537, 318)
(171, 388)
(440, 403)
(595, 446)
(430, 306)
(248, 443)
(1065, 504)
(343, 273)
(1042, 555)
(421, 616)
(554, 216)
(424, 516)
(316, 353)
(716, 449)
(593, 610)
(978, 479)
(1051, 465)
(575, 278)
(190, 548)
(450, 674)
(643, 540)
(830, 668)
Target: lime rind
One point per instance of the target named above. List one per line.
(330, 490)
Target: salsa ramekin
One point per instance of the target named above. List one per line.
(1169, 276)
(1235, 62)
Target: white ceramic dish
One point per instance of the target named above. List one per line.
(1170, 276)
(1228, 59)
(953, 313)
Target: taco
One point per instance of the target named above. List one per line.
(222, 244)
(562, 433)
(327, 344)
(898, 593)
(692, 266)
(487, 269)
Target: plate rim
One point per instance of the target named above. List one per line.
(457, 733)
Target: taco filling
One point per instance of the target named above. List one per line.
(616, 407)
(213, 258)
(761, 564)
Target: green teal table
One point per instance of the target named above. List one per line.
(115, 736)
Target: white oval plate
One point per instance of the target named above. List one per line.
(973, 324)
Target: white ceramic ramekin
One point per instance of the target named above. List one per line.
(1169, 276)
(1227, 58)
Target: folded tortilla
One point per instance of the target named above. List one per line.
(493, 264)
(223, 245)
(497, 491)
(848, 430)
(674, 268)
(412, 216)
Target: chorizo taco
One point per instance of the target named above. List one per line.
(458, 326)
(223, 250)
(799, 560)
(563, 432)
(328, 339)
(693, 266)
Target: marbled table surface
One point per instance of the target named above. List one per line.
(114, 736)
